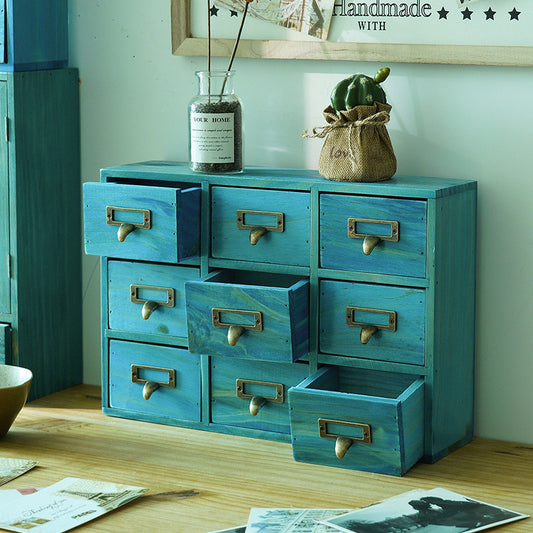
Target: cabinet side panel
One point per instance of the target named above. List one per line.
(452, 379)
(45, 181)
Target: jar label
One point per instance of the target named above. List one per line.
(212, 137)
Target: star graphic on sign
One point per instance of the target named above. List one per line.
(514, 14)
(467, 14)
(443, 13)
(489, 14)
(214, 11)
(233, 13)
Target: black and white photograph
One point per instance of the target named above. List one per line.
(425, 511)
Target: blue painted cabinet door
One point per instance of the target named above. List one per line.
(5, 280)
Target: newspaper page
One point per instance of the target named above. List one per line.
(290, 520)
(12, 468)
(422, 511)
(311, 17)
(64, 505)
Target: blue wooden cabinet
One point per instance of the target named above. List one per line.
(40, 227)
(33, 34)
(338, 317)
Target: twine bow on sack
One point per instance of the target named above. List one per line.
(357, 146)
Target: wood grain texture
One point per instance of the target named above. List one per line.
(185, 44)
(180, 402)
(45, 226)
(69, 436)
(227, 408)
(405, 257)
(289, 247)
(125, 315)
(174, 231)
(275, 297)
(36, 35)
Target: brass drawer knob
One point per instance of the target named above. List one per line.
(369, 243)
(234, 333)
(256, 234)
(148, 308)
(149, 388)
(342, 444)
(124, 230)
(256, 403)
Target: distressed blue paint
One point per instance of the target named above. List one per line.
(125, 315)
(339, 251)
(281, 300)
(289, 247)
(40, 204)
(174, 234)
(415, 384)
(386, 415)
(228, 409)
(180, 402)
(405, 345)
(35, 35)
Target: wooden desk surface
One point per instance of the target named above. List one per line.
(70, 437)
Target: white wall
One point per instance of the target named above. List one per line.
(449, 121)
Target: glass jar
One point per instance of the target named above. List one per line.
(215, 125)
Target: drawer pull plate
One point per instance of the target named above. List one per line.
(151, 305)
(371, 241)
(343, 443)
(257, 401)
(151, 386)
(256, 230)
(367, 330)
(125, 228)
(236, 330)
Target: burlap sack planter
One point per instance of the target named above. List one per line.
(357, 146)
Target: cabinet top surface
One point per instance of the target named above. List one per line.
(288, 178)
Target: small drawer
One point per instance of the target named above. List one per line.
(371, 321)
(265, 226)
(373, 234)
(141, 222)
(148, 298)
(249, 315)
(154, 380)
(253, 395)
(358, 419)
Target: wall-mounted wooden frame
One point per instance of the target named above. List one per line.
(186, 44)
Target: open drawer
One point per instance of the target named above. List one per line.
(141, 222)
(248, 315)
(358, 419)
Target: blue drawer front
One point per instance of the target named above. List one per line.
(280, 302)
(373, 216)
(380, 417)
(157, 364)
(289, 211)
(34, 35)
(166, 222)
(372, 304)
(148, 298)
(231, 407)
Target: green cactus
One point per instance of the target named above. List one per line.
(359, 89)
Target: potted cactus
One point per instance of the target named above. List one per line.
(357, 146)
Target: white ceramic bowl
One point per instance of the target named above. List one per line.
(15, 385)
